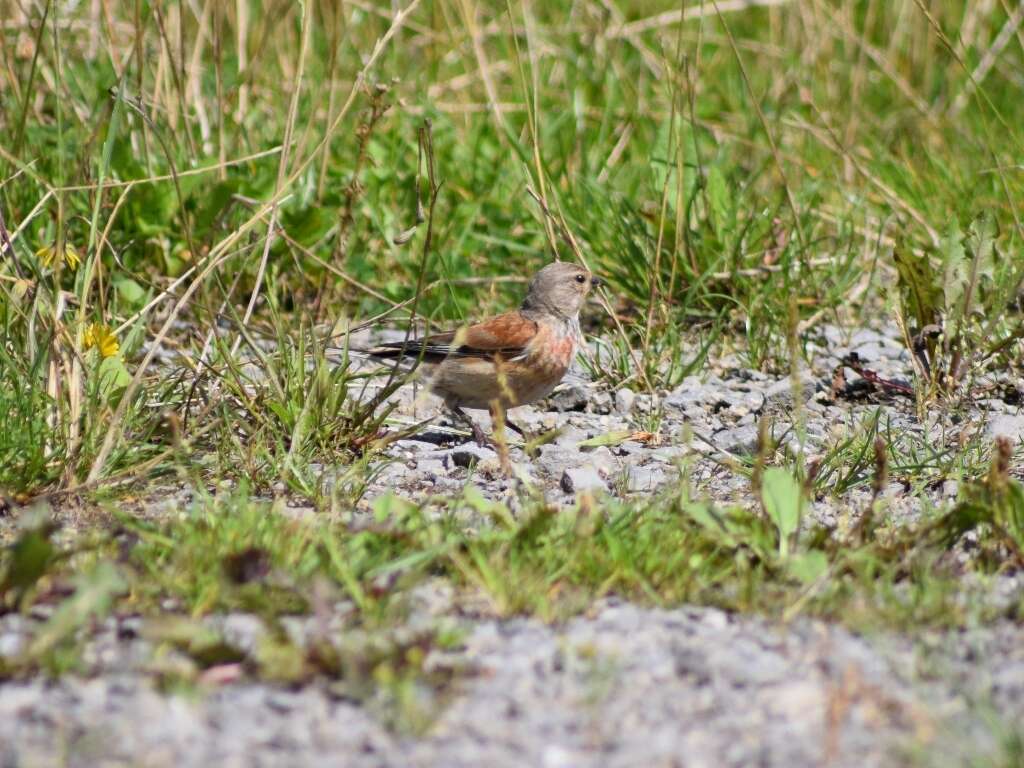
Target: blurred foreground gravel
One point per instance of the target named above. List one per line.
(622, 687)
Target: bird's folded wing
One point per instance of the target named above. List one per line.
(507, 335)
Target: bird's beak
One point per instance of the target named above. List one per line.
(596, 281)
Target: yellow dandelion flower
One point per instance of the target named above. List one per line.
(71, 257)
(45, 255)
(48, 253)
(101, 337)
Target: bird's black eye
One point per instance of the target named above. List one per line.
(581, 279)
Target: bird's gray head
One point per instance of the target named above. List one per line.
(560, 289)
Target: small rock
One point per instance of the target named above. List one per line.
(584, 478)
(625, 400)
(865, 336)
(469, 454)
(628, 447)
(1005, 425)
(392, 473)
(815, 406)
(428, 467)
(555, 756)
(603, 459)
(950, 489)
(894, 490)
(434, 597)
(782, 390)
(869, 352)
(740, 440)
(11, 644)
(570, 397)
(415, 446)
(745, 417)
(646, 478)
(599, 402)
(555, 459)
(692, 392)
(669, 453)
(242, 630)
(569, 435)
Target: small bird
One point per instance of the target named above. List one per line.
(508, 360)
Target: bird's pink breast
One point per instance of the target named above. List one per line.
(553, 348)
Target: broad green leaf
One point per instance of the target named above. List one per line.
(782, 499)
(922, 297)
(955, 269)
(809, 566)
(130, 291)
(981, 240)
(608, 438)
(113, 377)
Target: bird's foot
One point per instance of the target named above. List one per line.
(478, 435)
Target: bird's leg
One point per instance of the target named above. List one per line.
(517, 429)
(478, 434)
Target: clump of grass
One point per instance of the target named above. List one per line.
(956, 304)
(913, 457)
(286, 412)
(994, 507)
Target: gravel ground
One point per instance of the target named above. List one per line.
(621, 685)
(706, 418)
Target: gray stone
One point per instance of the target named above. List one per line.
(429, 466)
(603, 459)
(669, 453)
(242, 630)
(865, 336)
(894, 490)
(692, 392)
(569, 435)
(870, 352)
(629, 447)
(781, 391)
(1006, 425)
(570, 397)
(600, 402)
(555, 459)
(469, 454)
(583, 478)
(415, 446)
(741, 440)
(12, 643)
(392, 473)
(625, 400)
(645, 479)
